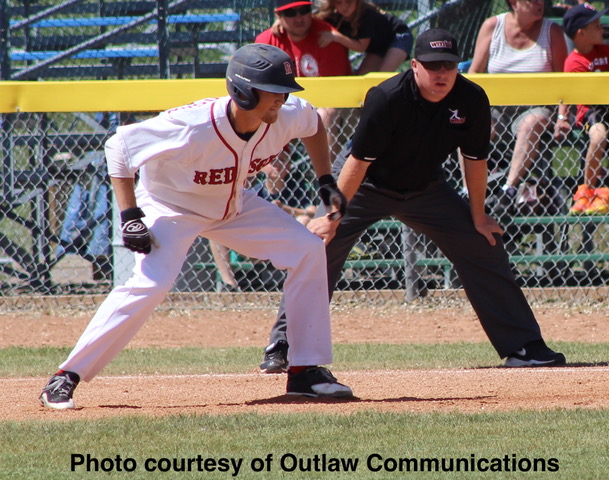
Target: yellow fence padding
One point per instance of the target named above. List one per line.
(339, 92)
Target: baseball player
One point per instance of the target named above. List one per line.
(193, 162)
(409, 125)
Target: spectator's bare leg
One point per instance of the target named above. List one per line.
(370, 63)
(394, 58)
(526, 149)
(391, 62)
(221, 256)
(595, 153)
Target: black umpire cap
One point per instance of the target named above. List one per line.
(436, 45)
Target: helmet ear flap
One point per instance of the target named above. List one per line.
(259, 67)
(245, 98)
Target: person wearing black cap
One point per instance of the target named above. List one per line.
(409, 125)
(582, 24)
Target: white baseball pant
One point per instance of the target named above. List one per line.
(261, 231)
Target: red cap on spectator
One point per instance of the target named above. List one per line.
(285, 4)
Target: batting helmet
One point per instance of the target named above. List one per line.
(259, 66)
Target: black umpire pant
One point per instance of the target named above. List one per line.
(444, 217)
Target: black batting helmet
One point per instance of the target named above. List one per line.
(259, 66)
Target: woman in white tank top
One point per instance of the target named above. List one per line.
(504, 58)
(518, 41)
(521, 41)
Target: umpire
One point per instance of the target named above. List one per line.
(409, 125)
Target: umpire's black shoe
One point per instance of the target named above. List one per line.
(535, 354)
(316, 382)
(58, 391)
(275, 358)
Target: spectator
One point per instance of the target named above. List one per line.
(363, 27)
(221, 255)
(85, 230)
(298, 36)
(582, 24)
(297, 32)
(521, 41)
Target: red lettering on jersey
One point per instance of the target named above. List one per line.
(216, 176)
(200, 178)
(258, 164)
(229, 174)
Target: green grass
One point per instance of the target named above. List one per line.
(23, 362)
(575, 441)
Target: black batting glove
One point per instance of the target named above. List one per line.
(332, 197)
(136, 236)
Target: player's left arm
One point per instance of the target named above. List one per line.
(319, 153)
(319, 150)
(351, 177)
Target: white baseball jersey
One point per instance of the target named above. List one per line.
(193, 169)
(192, 158)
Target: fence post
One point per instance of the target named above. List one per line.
(5, 62)
(5, 74)
(411, 276)
(163, 38)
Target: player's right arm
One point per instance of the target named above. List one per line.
(124, 192)
(136, 236)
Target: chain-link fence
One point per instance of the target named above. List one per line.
(58, 228)
(101, 39)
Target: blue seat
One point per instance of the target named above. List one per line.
(115, 21)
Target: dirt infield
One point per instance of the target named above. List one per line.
(473, 390)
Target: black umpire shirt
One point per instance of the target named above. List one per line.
(407, 138)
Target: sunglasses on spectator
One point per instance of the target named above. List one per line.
(292, 12)
(437, 66)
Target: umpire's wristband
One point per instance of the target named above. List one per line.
(132, 213)
(326, 179)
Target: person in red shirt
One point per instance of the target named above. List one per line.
(298, 36)
(297, 32)
(582, 24)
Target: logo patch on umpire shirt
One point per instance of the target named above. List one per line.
(455, 119)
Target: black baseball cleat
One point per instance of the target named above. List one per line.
(58, 391)
(535, 354)
(316, 382)
(275, 358)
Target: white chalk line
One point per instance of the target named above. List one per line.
(464, 371)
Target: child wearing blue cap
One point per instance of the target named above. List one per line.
(581, 23)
